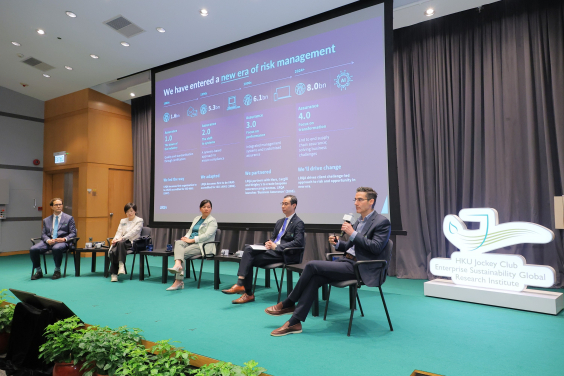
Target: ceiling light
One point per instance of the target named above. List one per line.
(70, 14)
(16, 44)
(429, 12)
(161, 29)
(40, 31)
(132, 94)
(125, 44)
(204, 12)
(93, 56)
(67, 67)
(46, 75)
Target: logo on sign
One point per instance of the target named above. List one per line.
(473, 266)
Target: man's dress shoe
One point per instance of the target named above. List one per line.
(37, 275)
(234, 290)
(277, 310)
(56, 275)
(286, 329)
(244, 299)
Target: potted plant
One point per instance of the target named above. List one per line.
(61, 346)
(229, 369)
(6, 316)
(161, 360)
(103, 349)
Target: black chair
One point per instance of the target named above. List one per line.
(71, 247)
(286, 252)
(354, 284)
(205, 257)
(137, 246)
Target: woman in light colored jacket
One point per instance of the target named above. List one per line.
(202, 230)
(129, 229)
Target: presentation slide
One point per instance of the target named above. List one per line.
(303, 113)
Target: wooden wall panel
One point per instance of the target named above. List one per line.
(97, 200)
(120, 192)
(66, 104)
(58, 186)
(109, 138)
(47, 194)
(80, 223)
(101, 102)
(97, 229)
(68, 134)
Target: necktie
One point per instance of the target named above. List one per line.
(56, 227)
(281, 232)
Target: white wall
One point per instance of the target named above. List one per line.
(21, 141)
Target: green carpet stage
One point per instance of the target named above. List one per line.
(434, 335)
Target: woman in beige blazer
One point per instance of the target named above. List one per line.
(202, 230)
(129, 229)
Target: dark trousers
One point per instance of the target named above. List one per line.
(118, 253)
(315, 274)
(40, 248)
(253, 258)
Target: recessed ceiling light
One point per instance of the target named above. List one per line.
(16, 44)
(429, 12)
(125, 44)
(40, 31)
(67, 67)
(204, 12)
(46, 75)
(70, 14)
(132, 94)
(93, 56)
(161, 29)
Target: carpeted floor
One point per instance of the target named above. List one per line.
(433, 335)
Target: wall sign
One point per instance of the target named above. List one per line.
(473, 266)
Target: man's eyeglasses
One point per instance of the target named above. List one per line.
(359, 200)
(57, 204)
(285, 203)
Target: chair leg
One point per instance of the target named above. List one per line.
(276, 279)
(193, 269)
(255, 283)
(386, 309)
(45, 264)
(281, 284)
(147, 262)
(360, 305)
(133, 266)
(355, 292)
(327, 303)
(201, 267)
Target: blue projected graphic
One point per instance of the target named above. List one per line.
(248, 99)
(300, 88)
(281, 93)
(166, 117)
(231, 103)
(343, 80)
(203, 109)
(192, 112)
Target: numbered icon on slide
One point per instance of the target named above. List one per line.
(300, 88)
(248, 99)
(192, 112)
(203, 109)
(166, 117)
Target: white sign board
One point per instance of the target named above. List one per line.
(472, 266)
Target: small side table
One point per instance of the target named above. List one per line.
(162, 252)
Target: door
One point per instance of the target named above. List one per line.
(120, 192)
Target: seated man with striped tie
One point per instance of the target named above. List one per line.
(57, 229)
(288, 232)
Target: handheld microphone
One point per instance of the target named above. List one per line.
(347, 218)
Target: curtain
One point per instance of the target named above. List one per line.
(316, 244)
(480, 123)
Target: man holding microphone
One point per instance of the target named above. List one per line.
(367, 240)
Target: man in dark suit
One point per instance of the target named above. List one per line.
(367, 240)
(288, 232)
(57, 229)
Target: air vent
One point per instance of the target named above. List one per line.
(33, 62)
(123, 26)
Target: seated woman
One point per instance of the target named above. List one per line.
(202, 230)
(129, 229)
